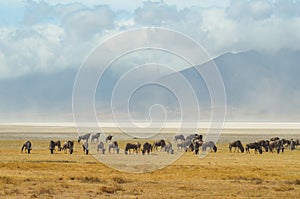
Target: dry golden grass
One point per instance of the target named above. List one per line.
(219, 175)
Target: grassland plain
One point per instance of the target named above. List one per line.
(219, 175)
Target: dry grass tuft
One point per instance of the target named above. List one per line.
(111, 189)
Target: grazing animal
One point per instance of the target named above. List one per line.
(236, 144)
(264, 144)
(185, 145)
(100, 147)
(85, 137)
(196, 145)
(209, 144)
(146, 148)
(254, 146)
(297, 143)
(168, 148)
(274, 138)
(179, 138)
(292, 145)
(85, 147)
(160, 143)
(53, 144)
(278, 145)
(108, 138)
(192, 136)
(68, 146)
(114, 145)
(135, 147)
(95, 137)
(27, 147)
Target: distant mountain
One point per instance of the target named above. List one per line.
(260, 86)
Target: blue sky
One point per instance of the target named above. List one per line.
(43, 33)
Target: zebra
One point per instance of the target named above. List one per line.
(85, 137)
(27, 147)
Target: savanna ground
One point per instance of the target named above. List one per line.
(218, 175)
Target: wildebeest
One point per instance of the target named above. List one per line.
(192, 136)
(236, 144)
(277, 144)
(146, 148)
(135, 147)
(255, 146)
(168, 148)
(27, 147)
(160, 143)
(274, 138)
(108, 138)
(196, 145)
(53, 144)
(85, 147)
(95, 137)
(85, 137)
(100, 147)
(68, 145)
(179, 138)
(264, 144)
(292, 145)
(184, 145)
(209, 144)
(114, 145)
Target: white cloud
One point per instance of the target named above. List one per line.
(57, 36)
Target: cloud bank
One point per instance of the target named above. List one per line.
(53, 37)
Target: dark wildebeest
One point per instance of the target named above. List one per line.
(68, 145)
(211, 145)
(179, 138)
(254, 146)
(264, 144)
(100, 147)
(292, 145)
(146, 148)
(108, 138)
(168, 148)
(114, 145)
(95, 137)
(160, 143)
(274, 138)
(196, 145)
(85, 137)
(297, 143)
(53, 144)
(27, 147)
(135, 147)
(236, 144)
(85, 147)
(278, 145)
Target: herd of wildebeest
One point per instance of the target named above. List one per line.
(193, 142)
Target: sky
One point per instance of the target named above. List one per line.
(54, 35)
(45, 37)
